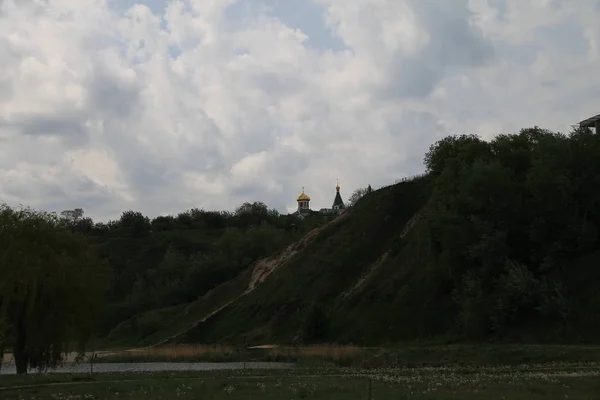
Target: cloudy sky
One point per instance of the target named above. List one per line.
(161, 106)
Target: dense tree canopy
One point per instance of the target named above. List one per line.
(505, 217)
(51, 287)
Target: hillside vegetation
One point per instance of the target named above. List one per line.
(162, 267)
(499, 241)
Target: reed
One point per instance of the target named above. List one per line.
(326, 352)
(330, 353)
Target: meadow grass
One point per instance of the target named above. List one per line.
(572, 381)
(409, 372)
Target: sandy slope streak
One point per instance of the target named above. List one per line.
(375, 266)
(262, 269)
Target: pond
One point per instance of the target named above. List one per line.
(155, 367)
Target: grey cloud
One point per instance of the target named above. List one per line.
(424, 127)
(100, 206)
(122, 5)
(523, 54)
(204, 154)
(52, 196)
(148, 174)
(567, 36)
(305, 15)
(110, 96)
(454, 42)
(250, 192)
(6, 90)
(416, 79)
(501, 7)
(200, 158)
(38, 9)
(277, 84)
(282, 164)
(549, 83)
(287, 161)
(69, 127)
(208, 115)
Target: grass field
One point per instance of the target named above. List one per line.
(410, 372)
(543, 381)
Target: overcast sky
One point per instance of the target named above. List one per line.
(161, 106)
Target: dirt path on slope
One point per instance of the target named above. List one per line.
(265, 267)
(375, 266)
(261, 270)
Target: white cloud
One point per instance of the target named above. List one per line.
(192, 105)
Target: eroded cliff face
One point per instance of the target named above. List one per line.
(265, 267)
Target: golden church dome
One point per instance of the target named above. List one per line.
(303, 197)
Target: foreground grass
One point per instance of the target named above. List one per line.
(541, 381)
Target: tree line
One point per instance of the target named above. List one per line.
(64, 277)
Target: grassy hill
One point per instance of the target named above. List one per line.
(349, 274)
(500, 241)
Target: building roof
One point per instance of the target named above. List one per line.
(590, 122)
(303, 197)
(338, 198)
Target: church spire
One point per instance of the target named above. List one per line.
(338, 203)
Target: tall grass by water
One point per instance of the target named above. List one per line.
(334, 354)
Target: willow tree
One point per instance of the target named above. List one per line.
(51, 288)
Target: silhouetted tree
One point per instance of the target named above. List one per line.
(51, 287)
(355, 196)
(135, 223)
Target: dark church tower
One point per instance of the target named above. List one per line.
(338, 203)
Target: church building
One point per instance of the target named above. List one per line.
(338, 203)
(304, 204)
